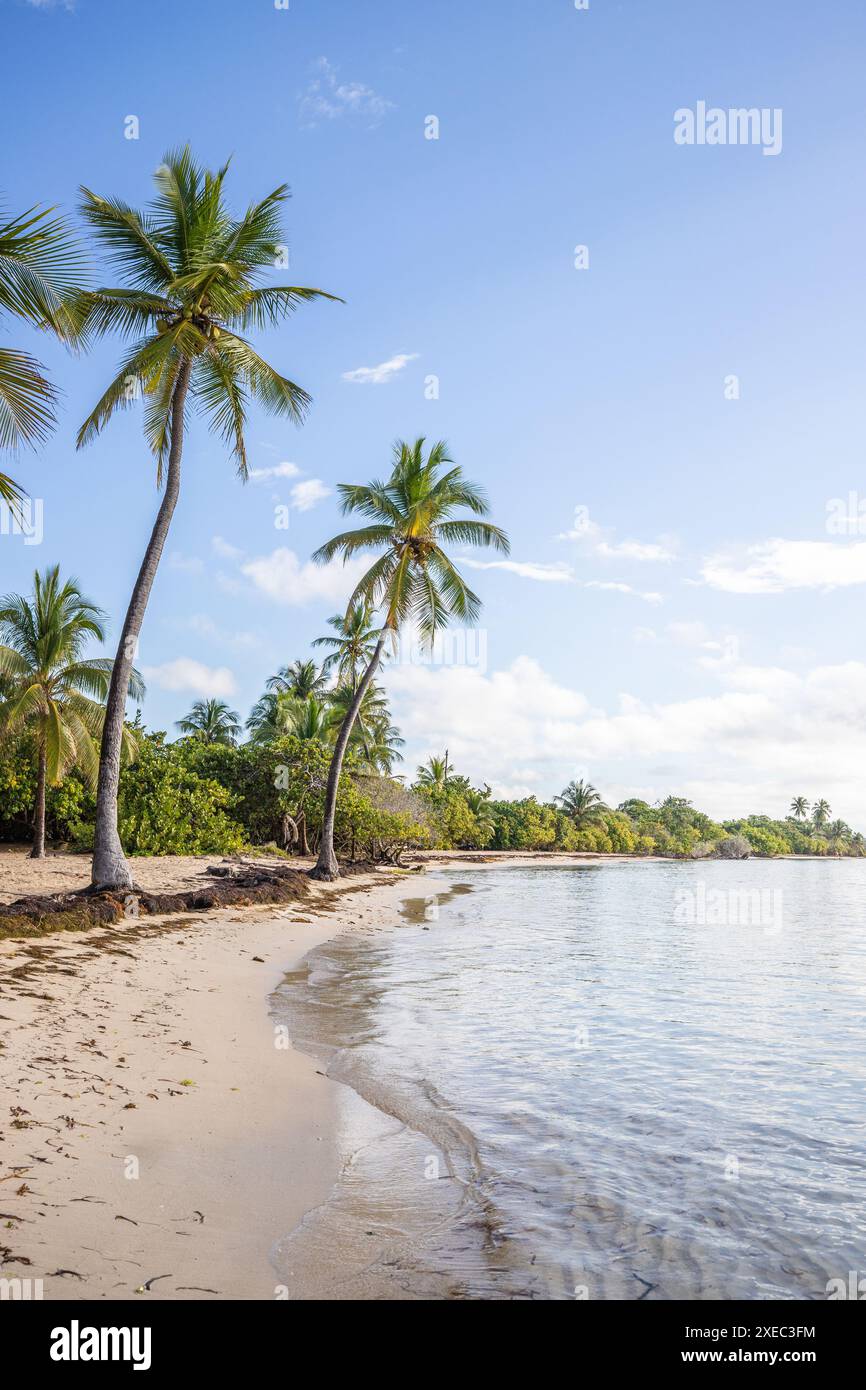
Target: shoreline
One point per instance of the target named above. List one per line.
(147, 1137)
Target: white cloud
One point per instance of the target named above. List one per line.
(188, 564)
(281, 576)
(777, 565)
(378, 376)
(307, 494)
(610, 586)
(52, 4)
(547, 574)
(765, 736)
(185, 674)
(204, 626)
(275, 470)
(635, 550)
(224, 549)
(327, 98)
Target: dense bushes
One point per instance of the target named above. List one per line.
(192, 797)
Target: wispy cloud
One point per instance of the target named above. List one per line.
(224, 549)
(612, 587)
(184, 674)
(378, 376)
(273, 471)
(189, 564)
(641, 551)
(557, 573)
(52, 4)
(308, 494)
(326, 98)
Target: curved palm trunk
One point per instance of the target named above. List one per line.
(327, 867)
(110, 869)
(38, 850)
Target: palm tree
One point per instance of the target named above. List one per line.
(581, 803)
(301, 680)
(352, 646)
(40, 269)
(821, 813)
(412, 519)
(479, 804)
(310, 720)
(839, 835)
(433, 775)
(799, 807)
(373, 735)
(211, 721)
(52, 689)
(189, 271)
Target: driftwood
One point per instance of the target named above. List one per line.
(240, 885)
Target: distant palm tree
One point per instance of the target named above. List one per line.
(51, 689)
(413, 580)
(799, 807)
(352, 646)
(821, 813)
(581, 803)
(373, 735)
(300, 680)
(479, 804)
(310, 719)
(433, 775)
(839, 836)
(271, 717)
(40, 269)
(189, 270)
(211, 721)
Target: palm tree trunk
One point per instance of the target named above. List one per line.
(327, 867)
(38, 850)
(110, 869)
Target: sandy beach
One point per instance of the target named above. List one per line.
(158, 1131)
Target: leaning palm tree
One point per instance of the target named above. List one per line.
(799, 807)
(300, 680)
(211, 721)
(52, 690)
(40, 269)
(189, 272)
(839, 835)
(373, 735)
(581, 803)
(412, 519)
(821, 813)
(352, 645)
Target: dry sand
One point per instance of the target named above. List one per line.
(154, 1126)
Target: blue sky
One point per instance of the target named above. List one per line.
(696, 628)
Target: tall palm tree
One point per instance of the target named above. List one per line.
(52, 689)
(352, 645)
(412, 519)
(189, 272)
(433, 775)
(799, 807)
(40, 269)
(581, 803)
(821, 813)
(300, 680)
(211, 721)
